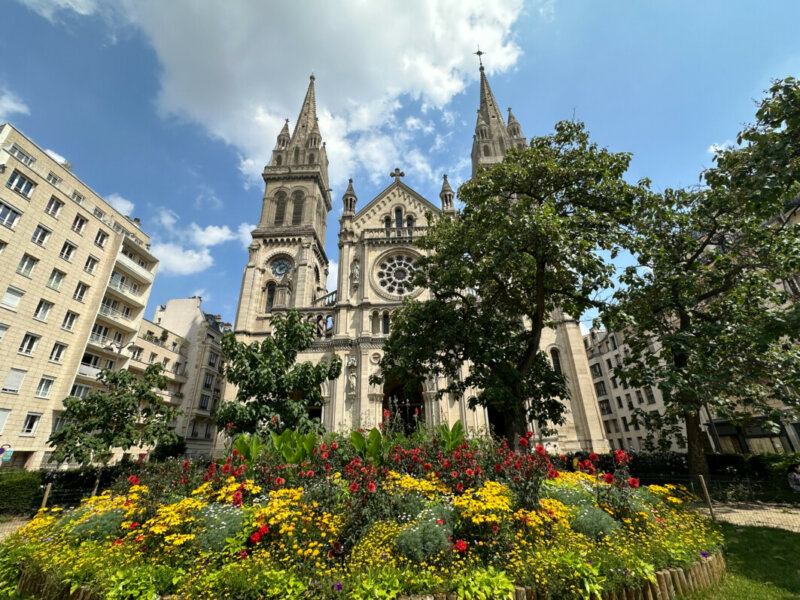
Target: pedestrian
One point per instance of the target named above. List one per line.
(793, 475)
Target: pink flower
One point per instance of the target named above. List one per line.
(371, 487)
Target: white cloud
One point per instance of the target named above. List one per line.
(333, 275)
(166, 218)
(211, 235)
(176, 260)
(202, 293)
(11, 104)
(362, 71)
(207, 199)
(243, 233)
(123, 205)
(56, 157)
(584, 329)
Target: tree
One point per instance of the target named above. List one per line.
(706, 316)
(528, 242)
(127, 413)
(274, 390)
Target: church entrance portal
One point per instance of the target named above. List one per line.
(403, 404)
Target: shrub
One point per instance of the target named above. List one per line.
(376, 584)
(145, 583)
(483, 584)
(425, 538)
(220, 522)
(248, 580)
(593, 522)
(20, 491)
(99, 527)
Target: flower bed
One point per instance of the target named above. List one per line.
(389, 517)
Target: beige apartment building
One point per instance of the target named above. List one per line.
(198, 355)
(75, 277)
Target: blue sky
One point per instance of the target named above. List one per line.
(171, 109)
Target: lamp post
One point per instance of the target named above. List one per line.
(119, 347)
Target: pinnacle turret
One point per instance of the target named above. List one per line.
(349, 199)
(447, 195)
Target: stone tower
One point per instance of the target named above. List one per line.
(287, 267)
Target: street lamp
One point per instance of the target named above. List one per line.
(119, 348)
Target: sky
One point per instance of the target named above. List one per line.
(170, 110)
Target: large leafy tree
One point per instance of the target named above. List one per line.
(709, 321)
(127, 413)
(274, 390)
(533, 238)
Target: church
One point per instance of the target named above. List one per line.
(287, 269)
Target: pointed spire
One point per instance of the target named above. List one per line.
(349, 199)
(308, 113)
(446, 195)
(514, 128)
(488, 105)
(283, 137)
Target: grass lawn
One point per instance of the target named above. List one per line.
(763, 564)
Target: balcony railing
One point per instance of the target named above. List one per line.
(124, 287)
(135, 268)
(88, 370)
(327, 300)
(113, 313)
(100, 340)
(393, 233)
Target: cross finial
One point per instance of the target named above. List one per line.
(479, 54)
(397, 174)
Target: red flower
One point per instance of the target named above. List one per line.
(460, 545)
(371, 487)
(134, 525)
(263, 530)
(563, 457)
(552, 474)
(621, 457)
(133, 480)
(608, 478)
(324, 456)
(229, 426)
(427, 466)
(327, 467)
(633, 482)
(334, 446)
(528, 434)
(440, 521)
(226, 468)
(139, 538)
(237, 498)
(386, 414)
(470, 473)
(235, 453)
(310, 473)
(416, 412)
(541, 451)
(242, 554)
(498, 467)
(117, 542)
(593, 457)
(523, 442)
(186, 464)
(495, 529)
(255, 538)
(184, 480)
(279, 481)
(353, 487)
(459, 487)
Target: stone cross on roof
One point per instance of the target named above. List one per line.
(397, 174)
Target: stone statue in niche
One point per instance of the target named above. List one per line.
(352, 375)
(355, 273)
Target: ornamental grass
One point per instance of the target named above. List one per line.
(422, 516)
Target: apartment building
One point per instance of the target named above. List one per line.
(203, 387)
(617, 401)
(75, 277)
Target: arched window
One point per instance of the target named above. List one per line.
(486, 150)
(386, 323)
(311, 158)
(297, 212)
(278, 160)
(280, 208)
(398, 217)
(556, 356)
(376, 323)
(409, 221)
(388, 224)
(296, 155)
(270, 296)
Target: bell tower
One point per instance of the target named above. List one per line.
(288, 267)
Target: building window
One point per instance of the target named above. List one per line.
(20, 184)
(596, 370)
(41, 235)
(651, 399)
(204, 400)
(608, 364)
(80, 291)
(625, 425)
(280, 208)
(137, 354)
(3, 329)
(270, 297)
(209, 430)
(69, 320)
(79, 224)
(556, 356)
(614, 382)
(619, 401)
(208, 381)
(98, 213)
(80, 391)
(68, 251)
(600, 388)
(8, 215)
(152, 358)
(42, 310)
(45, 386)
(12, 297)
(21, 155)
(26, 265)
(100, 239)
(14, 381)
(29, 343)
(77, 197)
(385, 323)
(54, 179)
(212, 359)
(4, 412)
(629, 401)
(30, 424)
(639, 398)
(2, 247)
(297, 209)
(53, 207)
(56, 277)
(605, 407)
(91, 265)
(164, 362)
(58, 351)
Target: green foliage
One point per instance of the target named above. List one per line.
(250, 580)
(451, 438)
(219, 523)
(128, 412)
(593, 522)
(20, 491)
(99, 527)
(376, 584)
(165, 450)
(529, 241)
(370, 448)
(274, 391)
(142, 582)
(292, 446)
(483, 584)
(250, 447)
(426, 537)
(705, 320)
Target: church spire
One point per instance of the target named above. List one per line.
(447, 196)
(308, 113)
(488, 110)
(492, 138)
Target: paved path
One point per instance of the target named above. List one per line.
(758, 514)
(9, 527)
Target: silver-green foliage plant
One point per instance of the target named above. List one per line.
(483, 584)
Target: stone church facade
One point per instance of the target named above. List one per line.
(287, 268)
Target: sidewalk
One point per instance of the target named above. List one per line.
(758, 514)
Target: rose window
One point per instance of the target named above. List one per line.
(395, 274)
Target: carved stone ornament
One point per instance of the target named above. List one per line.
(355, 273)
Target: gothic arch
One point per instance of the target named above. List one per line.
(281, 199)
(298, 207)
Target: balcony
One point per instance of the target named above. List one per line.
(100, 341)
(121, 320)
(127, 292)
(134, 268)
(393, 233)
(87, 370)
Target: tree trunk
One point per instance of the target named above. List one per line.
(516, 425)
(698, 465)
